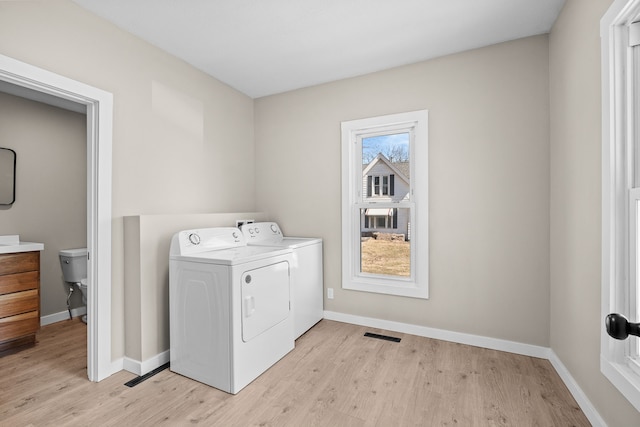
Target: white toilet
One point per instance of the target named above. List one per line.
(74, 270)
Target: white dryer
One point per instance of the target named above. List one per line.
(306, 273)
(229, 306)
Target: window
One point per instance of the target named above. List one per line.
(378, 186)
(620, 360)
(385, 225)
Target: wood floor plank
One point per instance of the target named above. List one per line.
(334, 377)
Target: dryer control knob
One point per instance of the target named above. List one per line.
(194, 238)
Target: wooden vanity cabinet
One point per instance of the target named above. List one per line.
(19, 299)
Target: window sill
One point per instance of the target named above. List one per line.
(406, 289)
(623, 378)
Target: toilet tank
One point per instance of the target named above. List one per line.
(74, 264)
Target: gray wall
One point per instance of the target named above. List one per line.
(576, 320)
(489, 183)
(51, 187)
(182, 141)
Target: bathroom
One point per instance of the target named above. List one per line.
(51, 199)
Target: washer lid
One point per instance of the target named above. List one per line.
(297, 242)
(288, 242)
(269, 234)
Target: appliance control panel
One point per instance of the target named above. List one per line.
(208, 239)
(262, 232)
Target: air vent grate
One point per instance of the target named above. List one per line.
(381, 337)
(134, 382)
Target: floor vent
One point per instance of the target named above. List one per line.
(134, 382)
(381, 337)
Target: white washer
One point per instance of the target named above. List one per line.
(306, 274)
(229, 306)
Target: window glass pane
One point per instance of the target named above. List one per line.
(386, 160)
(385, 246)
(394, 147)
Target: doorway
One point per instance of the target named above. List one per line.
(41, 85)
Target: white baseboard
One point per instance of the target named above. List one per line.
(140, 368)
(583, 401)
(63, 315)
(116, 366)
(441, 334)
(479, 341)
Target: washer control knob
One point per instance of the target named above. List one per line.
(194, 238)
(274, 228)
(235, 234)
(251, 231)
(257, 230)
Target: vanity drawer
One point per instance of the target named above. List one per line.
(19, 326)
(18, 302)
(19, 262)
(19, 282)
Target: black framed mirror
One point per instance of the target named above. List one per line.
(7, 176)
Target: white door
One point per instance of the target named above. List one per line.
(265, 298)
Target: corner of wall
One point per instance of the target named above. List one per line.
(132, 291)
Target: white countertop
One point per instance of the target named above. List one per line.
(12, 244)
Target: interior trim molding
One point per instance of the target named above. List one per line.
(142, 367)
(62, 316)
(444, 335)
(583, 401)
(99, 111)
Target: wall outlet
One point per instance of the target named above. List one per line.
(240, 222)
(330, 293)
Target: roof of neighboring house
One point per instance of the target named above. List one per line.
(402, 168)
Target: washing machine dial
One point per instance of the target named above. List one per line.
(235, 234)
(194, 238)
(274, 229)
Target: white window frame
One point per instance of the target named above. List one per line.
(619, 131)
(353, 200)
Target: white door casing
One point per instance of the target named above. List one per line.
(99, 112)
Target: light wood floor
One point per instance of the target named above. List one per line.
(334, 377)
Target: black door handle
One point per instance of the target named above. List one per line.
(618, 326)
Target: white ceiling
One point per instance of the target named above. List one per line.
(264, 47)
